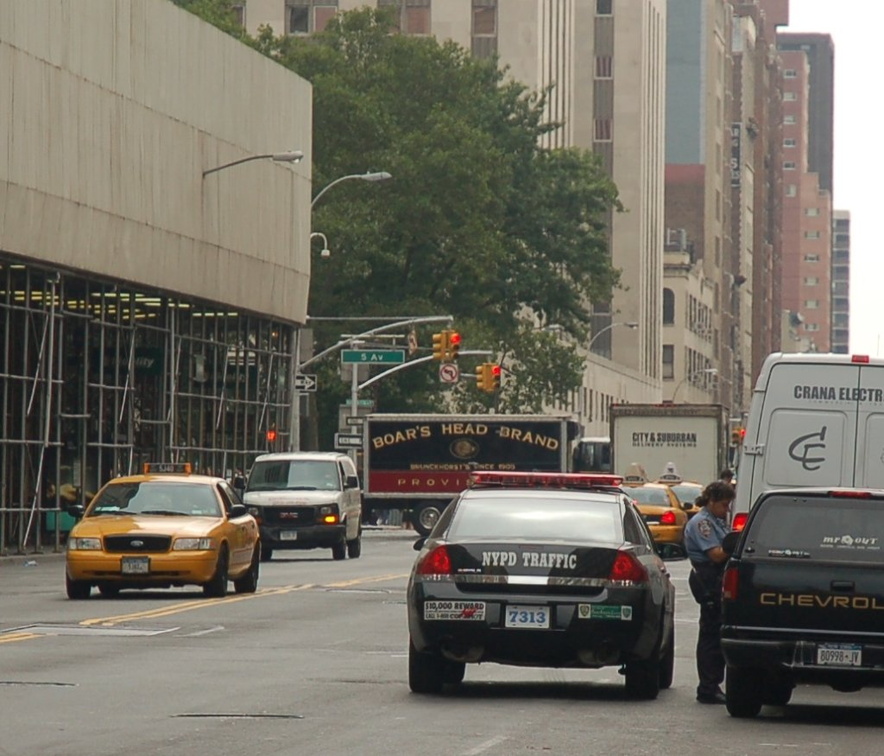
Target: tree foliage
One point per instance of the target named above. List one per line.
(480, 221)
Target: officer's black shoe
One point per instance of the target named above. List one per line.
(716, 698)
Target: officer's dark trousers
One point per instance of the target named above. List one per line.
(710, 661)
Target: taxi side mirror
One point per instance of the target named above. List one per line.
(238, 510)
(687, 505)
(75, 510)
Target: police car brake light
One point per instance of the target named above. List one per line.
(863, 358)
(437, 562)
(842, 493)
(739, 521)
(627, 568)
(543, 480)
(167, 467)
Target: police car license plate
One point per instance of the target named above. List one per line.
(288, 535)
(839, 654)
(135, 565)
(527, 616)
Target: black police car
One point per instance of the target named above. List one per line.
(541, 570)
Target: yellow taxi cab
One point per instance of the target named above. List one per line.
(164, 528)
(659, 506)
(687, 491)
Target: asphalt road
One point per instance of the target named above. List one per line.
(315, 663)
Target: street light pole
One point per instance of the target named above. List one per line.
(375, 176)
(708, 371)
(628, 324)
(293, 156)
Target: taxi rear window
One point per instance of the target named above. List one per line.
(687, 494)
(649, 496)
(818, 527)
(560, 518)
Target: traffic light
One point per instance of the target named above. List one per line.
(495, 371)
(271, 434)
(453, 344)
(737, 435)
(488, 377)
(482, 377)
(440, 345)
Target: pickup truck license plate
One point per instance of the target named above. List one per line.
(135, 565)
(527, 616)
(288, 535)
(839, 654)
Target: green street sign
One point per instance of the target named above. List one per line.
(373, 356)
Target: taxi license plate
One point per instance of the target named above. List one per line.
(839, 654)
(288, 535)
(135, 565)
(527, 616)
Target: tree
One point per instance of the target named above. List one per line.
(479, 221)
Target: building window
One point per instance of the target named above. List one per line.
(789, 165)
(811, 326)
(417, 19)
(790, 96)
(484, 18)
(603, 129)
(668, 362)
(790, 73)
(308, 16)
(299, 19)
(789, 142)
(811, 234)
(811, 281)
(789, 120)
(239, 14)
(668, 307)
(791, 190)
(811, 212)
(604, 67)
(811, 258)
(812, 304)
(604, 7)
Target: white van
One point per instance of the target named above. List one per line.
(815, 420)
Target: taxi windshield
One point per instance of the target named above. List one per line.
(155, 497)
(644, 495)
(295, 475)
(501, 516)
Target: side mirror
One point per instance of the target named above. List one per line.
(671, 552)
(419, 543)
(351, 482)
(687, 505)
(75, 510)
(238, 510)
(729, 544)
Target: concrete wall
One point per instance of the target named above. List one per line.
(112, 109)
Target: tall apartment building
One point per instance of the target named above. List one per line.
(605, 62)
(807, 213)
(841, 281)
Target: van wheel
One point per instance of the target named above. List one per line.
(354, 547)
(339, 551)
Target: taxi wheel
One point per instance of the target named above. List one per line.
(266, 553)
(743, 689)
(77, 589)
(109, 591)
(217, 586)
(354, 547)
(339, 551)
(643, 678)
(248, 583)
(426, 672)
(667, 663)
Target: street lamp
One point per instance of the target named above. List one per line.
(293, 156)
(376, 176)
(607, 328)
(707, 371)
(325, 251)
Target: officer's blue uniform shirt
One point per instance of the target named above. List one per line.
(704, 531)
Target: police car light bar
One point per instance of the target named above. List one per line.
(543, 480)
(167, 467)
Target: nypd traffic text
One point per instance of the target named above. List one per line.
(529, 559)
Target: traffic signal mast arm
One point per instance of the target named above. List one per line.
(419, 361)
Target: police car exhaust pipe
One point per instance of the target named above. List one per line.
(465, 654)
(599, 657)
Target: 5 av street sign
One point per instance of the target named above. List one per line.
(373, 356)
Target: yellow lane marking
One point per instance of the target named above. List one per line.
(13, 637)
(358, 581)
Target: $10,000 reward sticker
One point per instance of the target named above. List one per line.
(454, 610)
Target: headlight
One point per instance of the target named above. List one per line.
(255, 511)
(84, 544)
(193, 544)
(328, 510)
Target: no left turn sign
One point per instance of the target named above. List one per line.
(449, 372)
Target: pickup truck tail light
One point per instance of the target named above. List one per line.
(730, 584)
(436, 562)
(627, 568)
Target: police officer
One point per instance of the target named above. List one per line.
(703, 537)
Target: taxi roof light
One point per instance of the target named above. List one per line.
(167, 467)
(543, 480)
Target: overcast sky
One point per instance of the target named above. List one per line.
(856, 27)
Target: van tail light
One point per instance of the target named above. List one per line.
(667, 518)
(730, 583)
(739, 521)
(847, 493)
(436, 562)
(627, 568)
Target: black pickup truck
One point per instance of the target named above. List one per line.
(803, 596)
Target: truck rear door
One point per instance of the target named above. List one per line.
(870, 418)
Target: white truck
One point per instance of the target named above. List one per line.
(692, 437)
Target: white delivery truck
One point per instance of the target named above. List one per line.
(814, 420)
(691, 437)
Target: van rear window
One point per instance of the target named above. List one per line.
(818, 527)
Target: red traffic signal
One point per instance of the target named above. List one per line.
(271, 434)
(453, 344)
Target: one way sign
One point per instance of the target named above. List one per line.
(305, 382)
